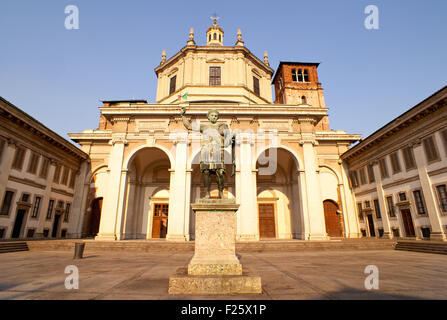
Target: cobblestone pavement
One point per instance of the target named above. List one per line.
(285, 275)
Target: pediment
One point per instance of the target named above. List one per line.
(215, 60)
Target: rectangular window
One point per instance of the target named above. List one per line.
(64, 179)
(57, 173)
(33, 162)
(377, 209)
(383, 168)
(410, 163)
(306, 75)
(44, 168)
(2, 232)
(25, 197)
(444, 140)
(371, 176)
(402, 196)
(214, 76)
(7, 200)
(367, 204)
(30, 233)
(2, 148)
(300, 75)
(256, 85)
(46, 233)
(419, 201)
(354, 179)
(360, 211)
(19, 156)
(430, 149)
(362, 176)
(442, 195)
(425, 232)
(395, 163)
(172, 83)
(67, 212)
(36, 207)
(294, 76)
(50, 209)
(60, 204)
(389, 201)
(72, 179)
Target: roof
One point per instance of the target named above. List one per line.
(121, 101)
(50, 135)
(397, 122)
(281, 63)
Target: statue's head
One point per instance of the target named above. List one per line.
(213, 116)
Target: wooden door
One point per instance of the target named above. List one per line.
(57, 218)
(332, 219)
(160, 221)
(372, 231)
(408, 222)
(267, 220)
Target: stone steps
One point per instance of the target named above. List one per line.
(6, 247)
(163, 246)
(422, 246)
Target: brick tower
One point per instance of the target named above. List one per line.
(297, 83)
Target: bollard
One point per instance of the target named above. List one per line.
(79, 250)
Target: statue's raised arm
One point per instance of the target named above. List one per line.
(186, 121)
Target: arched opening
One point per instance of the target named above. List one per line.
(332, 219)
(279, 205)
(209, 38)
(214, 36)
(220, 38)
(303, 100)
(147, 198)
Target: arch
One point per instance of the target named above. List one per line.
(295, 157)
(333, 171)
(93, 172)
(132, 154)
(214, 36)
(303, 100)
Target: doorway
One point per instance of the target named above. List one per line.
(332, 219)
(407, 222)
(55, 231)
(95, 218)
(18, 224)
(160, 221)
(372, 230)
(266, 220)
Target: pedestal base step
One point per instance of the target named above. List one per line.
(182, 283)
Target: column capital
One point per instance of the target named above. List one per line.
(118, 140)
(415, 143)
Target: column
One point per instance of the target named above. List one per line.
(177, 191)
(387, 234)
(429, 196)
(122, 204)
(107, 227)
(351, 217)
(246, 196)
(79, 201)
(315, 205)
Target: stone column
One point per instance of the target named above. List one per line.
(381, 197)
(427, 189)
(107, 227)
(79, 201)
(315, 204)
(122, 204)
(246, 191)
(177, 191)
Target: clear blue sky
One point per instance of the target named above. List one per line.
(370, 76)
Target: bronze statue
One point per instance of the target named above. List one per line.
(216, 137)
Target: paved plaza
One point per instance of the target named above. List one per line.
(299, 275)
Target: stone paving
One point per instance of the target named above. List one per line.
(285, 275)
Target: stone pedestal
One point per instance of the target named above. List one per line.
(214, 268)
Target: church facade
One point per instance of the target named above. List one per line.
(288, 178)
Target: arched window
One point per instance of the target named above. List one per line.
(215, 36)
(220, 38)
(303, 100)
(210, 37)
